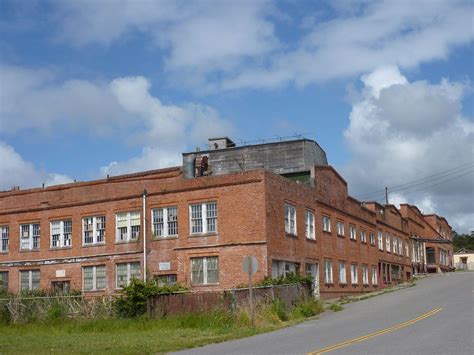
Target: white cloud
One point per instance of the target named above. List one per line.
(15, 171)
(404, 131)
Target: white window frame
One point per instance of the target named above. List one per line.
(365, 274)
(204, 218)
(354, 274)
(129, 273)
(400, 246)
(5, 238)
(395, 245)
(363, 236)
(129, 236)
(95, 230)
(326, 223)
(340, 228)
(30, 279)
(328, 277)
(94, 278)
(290, 219)
(31, 236)
(352, 232)
(342, 272)
(372, 238)
(167, 223)
(380, 239)
(310, 229)
(387, 242)
(374, 275)
(63, 242)
(205, 277)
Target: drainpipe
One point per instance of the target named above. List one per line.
(144, 235)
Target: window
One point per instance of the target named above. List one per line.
(309, 224)
(93, 230)
(204, 270)
(29, 236)
(126, 272)
(374, 275)
(342, 272)
(128, 226)
(363, 236)
(326, 224)
(354, 279)
(29, 280)
(340, 228)
(282, 268)
(365, 275)
(387, 242)
(165, 222)
(395, 245)
(352, 232)
(407, 254)
(61, 233)
(93, 278)
(203, 218)
(328, 271)
(290, 219)
(372, 238)
(380, 238)
(4, 235)
(400, 246)
(4, 280)
(163, 280)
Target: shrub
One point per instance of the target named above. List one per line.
(279, 308)
(308, 307)
(132, 301)
(290, 278)
(336, 307)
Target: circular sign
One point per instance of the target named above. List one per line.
(250, 265)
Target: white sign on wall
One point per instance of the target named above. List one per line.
(60, 273)
(164, 266)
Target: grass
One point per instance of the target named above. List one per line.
(336, 307)
(143, 335)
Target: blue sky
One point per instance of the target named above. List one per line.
(89, 88)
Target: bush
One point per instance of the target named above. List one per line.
(308, 308)
(336, 307)
(132, 301)
(279, 308)
(288, 279)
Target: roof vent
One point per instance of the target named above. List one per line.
(220, 143)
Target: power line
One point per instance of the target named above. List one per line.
(434, 177)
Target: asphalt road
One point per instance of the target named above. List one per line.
(434, 317)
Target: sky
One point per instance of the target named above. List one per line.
(90, 88)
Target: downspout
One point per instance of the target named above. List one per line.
(144, 235)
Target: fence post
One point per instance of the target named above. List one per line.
(148, 307)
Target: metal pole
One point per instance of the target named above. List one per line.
(144, 235)
(252, 316)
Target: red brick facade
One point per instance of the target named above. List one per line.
(251, 211)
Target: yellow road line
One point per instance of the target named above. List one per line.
(372, 335)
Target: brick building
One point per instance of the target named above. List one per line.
(280, 202)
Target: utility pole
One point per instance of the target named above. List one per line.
(386, 195)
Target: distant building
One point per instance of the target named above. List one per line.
(280, 202)
(464, 260)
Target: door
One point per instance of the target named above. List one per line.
(313, 271)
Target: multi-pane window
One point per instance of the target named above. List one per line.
(162, 280)
(290, 219)
(4, 235)
(29, 280)
(365, 275)
(363, 236)
(340, 228)
(165, 222)
(203, 218)
(380, 238)
(342, 272)
(128, 226)
(387, 242)
(372, 238)
(3, 280)
(395, 245)
(326, 224)
(400, 246)
(93, 230)
(93, 278)
(328, 271)
(374, 275)
(126, 272)
(61, 232)
(352, 232)
(407, 254)
(309, 224)
(354, 277)
(30, 236)
(204, 270)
